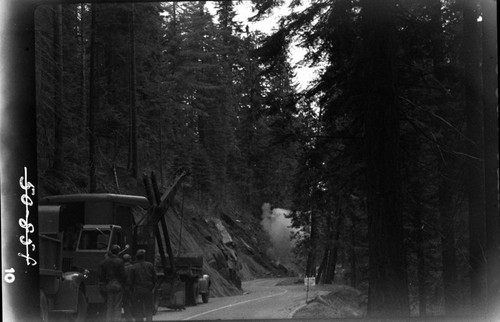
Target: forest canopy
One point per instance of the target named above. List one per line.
(387, 160)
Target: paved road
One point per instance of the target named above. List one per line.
(263, 299)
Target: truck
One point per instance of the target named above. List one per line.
(62, 293)
(89, 224)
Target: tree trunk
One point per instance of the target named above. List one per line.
(93, 101)
(160, 144)
(311, 255)
(422, 290)
(416, 177)
(446, 172)
(490, 110)
(388, 289)
(331, 263)
(446, 210)
(475, 169)
(321, 271)
(58, 156)
(326, 272)
(323, 267)
(83, 78)
(133, 108)
(352, 251)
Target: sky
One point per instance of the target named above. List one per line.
(303, 74)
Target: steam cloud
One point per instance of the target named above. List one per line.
(279, 229)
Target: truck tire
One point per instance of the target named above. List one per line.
(204, 297)
(44, 307)
(196, 292)
(81, 313)
(156, 302)
(96, 311)
(191, 292)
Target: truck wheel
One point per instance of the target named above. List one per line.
(204, 297)
(196, 292)
(96, 311)
(81, 313)
(44, 307)
(191, 292)
(156, 302)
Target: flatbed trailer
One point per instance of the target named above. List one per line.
(183, 287)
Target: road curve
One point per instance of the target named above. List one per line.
(263, 299)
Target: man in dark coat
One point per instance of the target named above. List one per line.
(127, 293)
(112, 281)
(143, 281)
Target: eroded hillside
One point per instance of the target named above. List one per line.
(233, 245)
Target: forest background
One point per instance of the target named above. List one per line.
(382, 159)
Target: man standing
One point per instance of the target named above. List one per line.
(127, 292)
(143, 281)
(112, 281)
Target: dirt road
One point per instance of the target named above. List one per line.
(263, 299)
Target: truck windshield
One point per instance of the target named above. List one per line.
(95, 239)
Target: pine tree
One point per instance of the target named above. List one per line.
(388, 293)
(475, 175)
(490, 117)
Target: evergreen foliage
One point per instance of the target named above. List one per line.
(380, 159)
(427, 53)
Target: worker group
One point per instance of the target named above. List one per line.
(127, 285)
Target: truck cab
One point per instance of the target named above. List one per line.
(94, 243)
(98, 238)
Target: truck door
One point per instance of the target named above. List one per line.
(123, 218)
(117, 237)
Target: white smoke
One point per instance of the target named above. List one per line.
(278, 227)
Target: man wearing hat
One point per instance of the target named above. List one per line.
(143, 281)
(112, 280)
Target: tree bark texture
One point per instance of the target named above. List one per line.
(93, 102)
(311, 255)
(446, 174)
(83, 78)
(352, 251)
(422, 289)
(58, 156)
(320, 276)
(321, 271)
(447, 216)
(490, 110)
(474, 145)
(326, 274)
(334, 240)
(133, 107)
(388, 289)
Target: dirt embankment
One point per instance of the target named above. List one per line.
(231, 245)
(337, 301)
